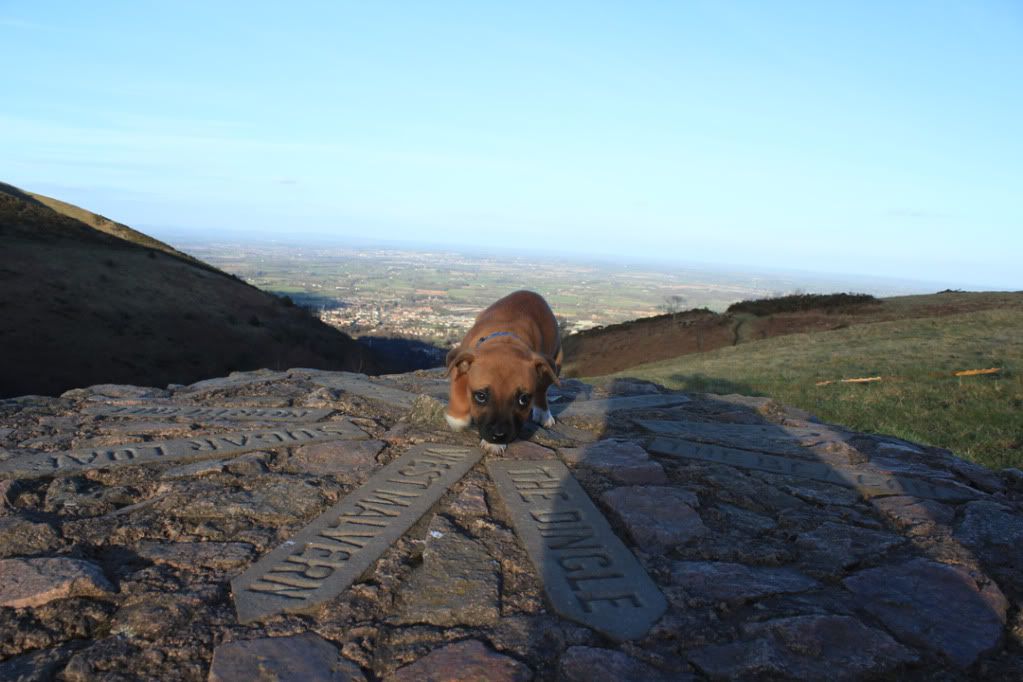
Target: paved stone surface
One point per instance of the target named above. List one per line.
(20, 536)
(940, 607)
(590, 664)
(621, 460)
(769, 564)
(772, 438)
(588, 574)
(468, 661)
(995, 533)
(359, 385)
(804, 648)
(867, 483)
(299, 658)
(597, 409)
(190, 555)
(329, 554)
(353, 460)
(457, 583)
(200, 447)
(285, 414)
(34, 582)
(657, 517)
(834, 546)
(710, 582)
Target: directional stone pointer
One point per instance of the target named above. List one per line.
(330, 554)
(588, 574)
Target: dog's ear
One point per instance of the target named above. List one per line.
(459, 361)
(545, 368)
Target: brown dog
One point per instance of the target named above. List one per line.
(501, 371)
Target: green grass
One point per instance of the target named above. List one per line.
(979, 418)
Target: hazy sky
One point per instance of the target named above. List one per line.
(864, 137)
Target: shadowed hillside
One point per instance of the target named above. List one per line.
(85, 300)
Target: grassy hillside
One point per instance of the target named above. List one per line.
(979, 418)
(618, 347)
(84, 300)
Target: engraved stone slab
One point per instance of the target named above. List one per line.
(357, 384)
(293, 414)
(590, 409)
(588, 574)
(201, 447)
(332, 552)
(866, 483)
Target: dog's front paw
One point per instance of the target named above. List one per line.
(543, 417)
(457, 423)
(492, 448)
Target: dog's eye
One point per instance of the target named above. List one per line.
(524, 399)
(480, 397)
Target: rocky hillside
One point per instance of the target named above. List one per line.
(85, 300)
(311, 525)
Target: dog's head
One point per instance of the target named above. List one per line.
(501, 380)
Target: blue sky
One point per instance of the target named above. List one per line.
(870, 137)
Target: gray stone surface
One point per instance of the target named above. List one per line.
(457, 583)
(868, 484)
(468, 661)
(813, 647)
(834, 546)
(332, 552)
(34, 582)
(995, 533)
(767, 438)
(589, 576)
(591, 664)
(936, 606)
(198, 413)
(195, 555)
(596, 409)
(299, 658)
(359, 385)
(200, 447)
(710, 582)
(621, 460)
(658, 518)
(38, 666)
(20, 536)
(761, 594)
(351, 460)
(914, 515)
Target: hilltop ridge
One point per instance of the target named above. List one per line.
(84, 299)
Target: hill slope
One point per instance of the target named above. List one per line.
(618, 347)
(84, 300)
(918, 397)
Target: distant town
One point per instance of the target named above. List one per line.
(434, 296)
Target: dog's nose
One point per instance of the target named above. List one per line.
(499, 434)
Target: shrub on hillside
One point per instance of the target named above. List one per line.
(799, 302)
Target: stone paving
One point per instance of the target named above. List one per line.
(670, 537)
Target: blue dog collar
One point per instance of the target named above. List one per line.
(490, 336)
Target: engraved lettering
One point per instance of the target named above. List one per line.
(614, 600)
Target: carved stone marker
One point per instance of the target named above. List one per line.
(866, 483)
(360, 386)
(201, 447)
(588, 574)
(293, 414)
(591, 409)
(332, 552)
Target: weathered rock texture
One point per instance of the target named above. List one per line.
(785, 549)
